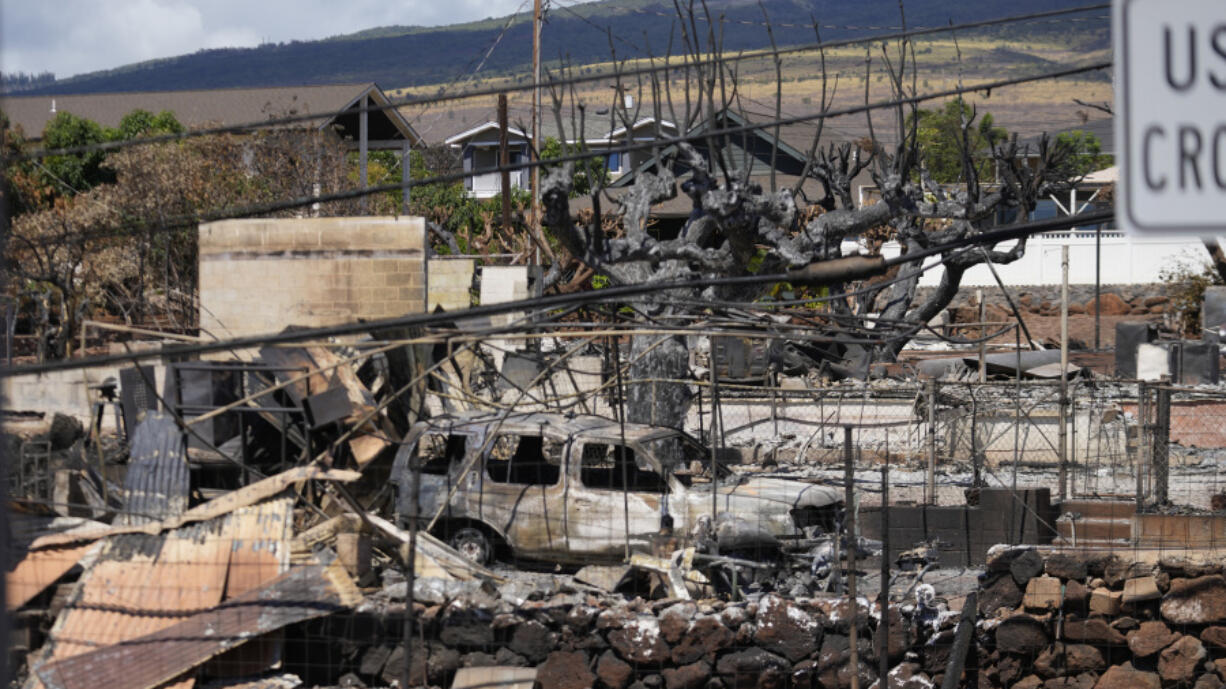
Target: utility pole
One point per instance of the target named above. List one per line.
(504, 160)
(536, 108)
(533, 173)
(363, 146)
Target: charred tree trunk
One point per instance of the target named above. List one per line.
(656, 392)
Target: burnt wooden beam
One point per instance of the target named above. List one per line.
(962, 644)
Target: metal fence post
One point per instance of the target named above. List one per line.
(1161, 444)
(931, 484)
(976, 478)
(849, 520)
(883, 652)
(1142, 441)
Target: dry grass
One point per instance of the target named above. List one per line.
(1025, 108)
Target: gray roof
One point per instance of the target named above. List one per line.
(593, 127)
(217, 107)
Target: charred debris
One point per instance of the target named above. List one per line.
(408, 511)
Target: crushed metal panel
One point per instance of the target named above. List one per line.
(314, 358)
(145, 583)
(137, 394)
(441, 559)
(282, 681)
(1052, 370)
(259, 554)
(604, 577)
(139, 584)
(245, 496)
(502, 677)
(38, 570)
(301, 594)
(319, 390)
(158, 479)
(39, 565)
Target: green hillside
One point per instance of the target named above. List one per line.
(404, 56)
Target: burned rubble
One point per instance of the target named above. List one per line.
(299, 524)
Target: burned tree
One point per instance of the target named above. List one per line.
(736, 227)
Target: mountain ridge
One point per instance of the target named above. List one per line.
(401, 56)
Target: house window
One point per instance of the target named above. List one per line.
(613, 162)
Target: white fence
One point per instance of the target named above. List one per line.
(1125, 260)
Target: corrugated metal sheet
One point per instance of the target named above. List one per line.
(301, 594)
(260, 553)
(158, 479)
(144, 583)
(38, 564)
(38, 570)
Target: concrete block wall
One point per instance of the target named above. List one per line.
(502, 284)
(962, 533)
(450, 283)
(63, 392)
(261, 275)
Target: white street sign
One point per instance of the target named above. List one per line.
(1170, 60)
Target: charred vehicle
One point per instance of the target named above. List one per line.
(578, 489)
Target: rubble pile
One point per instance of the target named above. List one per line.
(1085, 619)
(577, 639)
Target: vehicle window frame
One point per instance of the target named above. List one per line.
(724, 471)
(453, 462)
(511, 465)
(664, 479)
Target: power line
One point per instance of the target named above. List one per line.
(545, 303)
(670, 66)
(272, 207)
(469, 70)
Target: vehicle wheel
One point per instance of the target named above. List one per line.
(472, 544)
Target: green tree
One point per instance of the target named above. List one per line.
(1088, 149)
(140, 123)
(77, 172)
(67, 175)
(939, 134)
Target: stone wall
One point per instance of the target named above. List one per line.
(577, 640)
(261, 275)
(1087, 620)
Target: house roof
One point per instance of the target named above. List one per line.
(788, 159)
(467, 134)
(596, 130)
(219, 107)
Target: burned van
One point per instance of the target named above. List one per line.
(580, 489)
